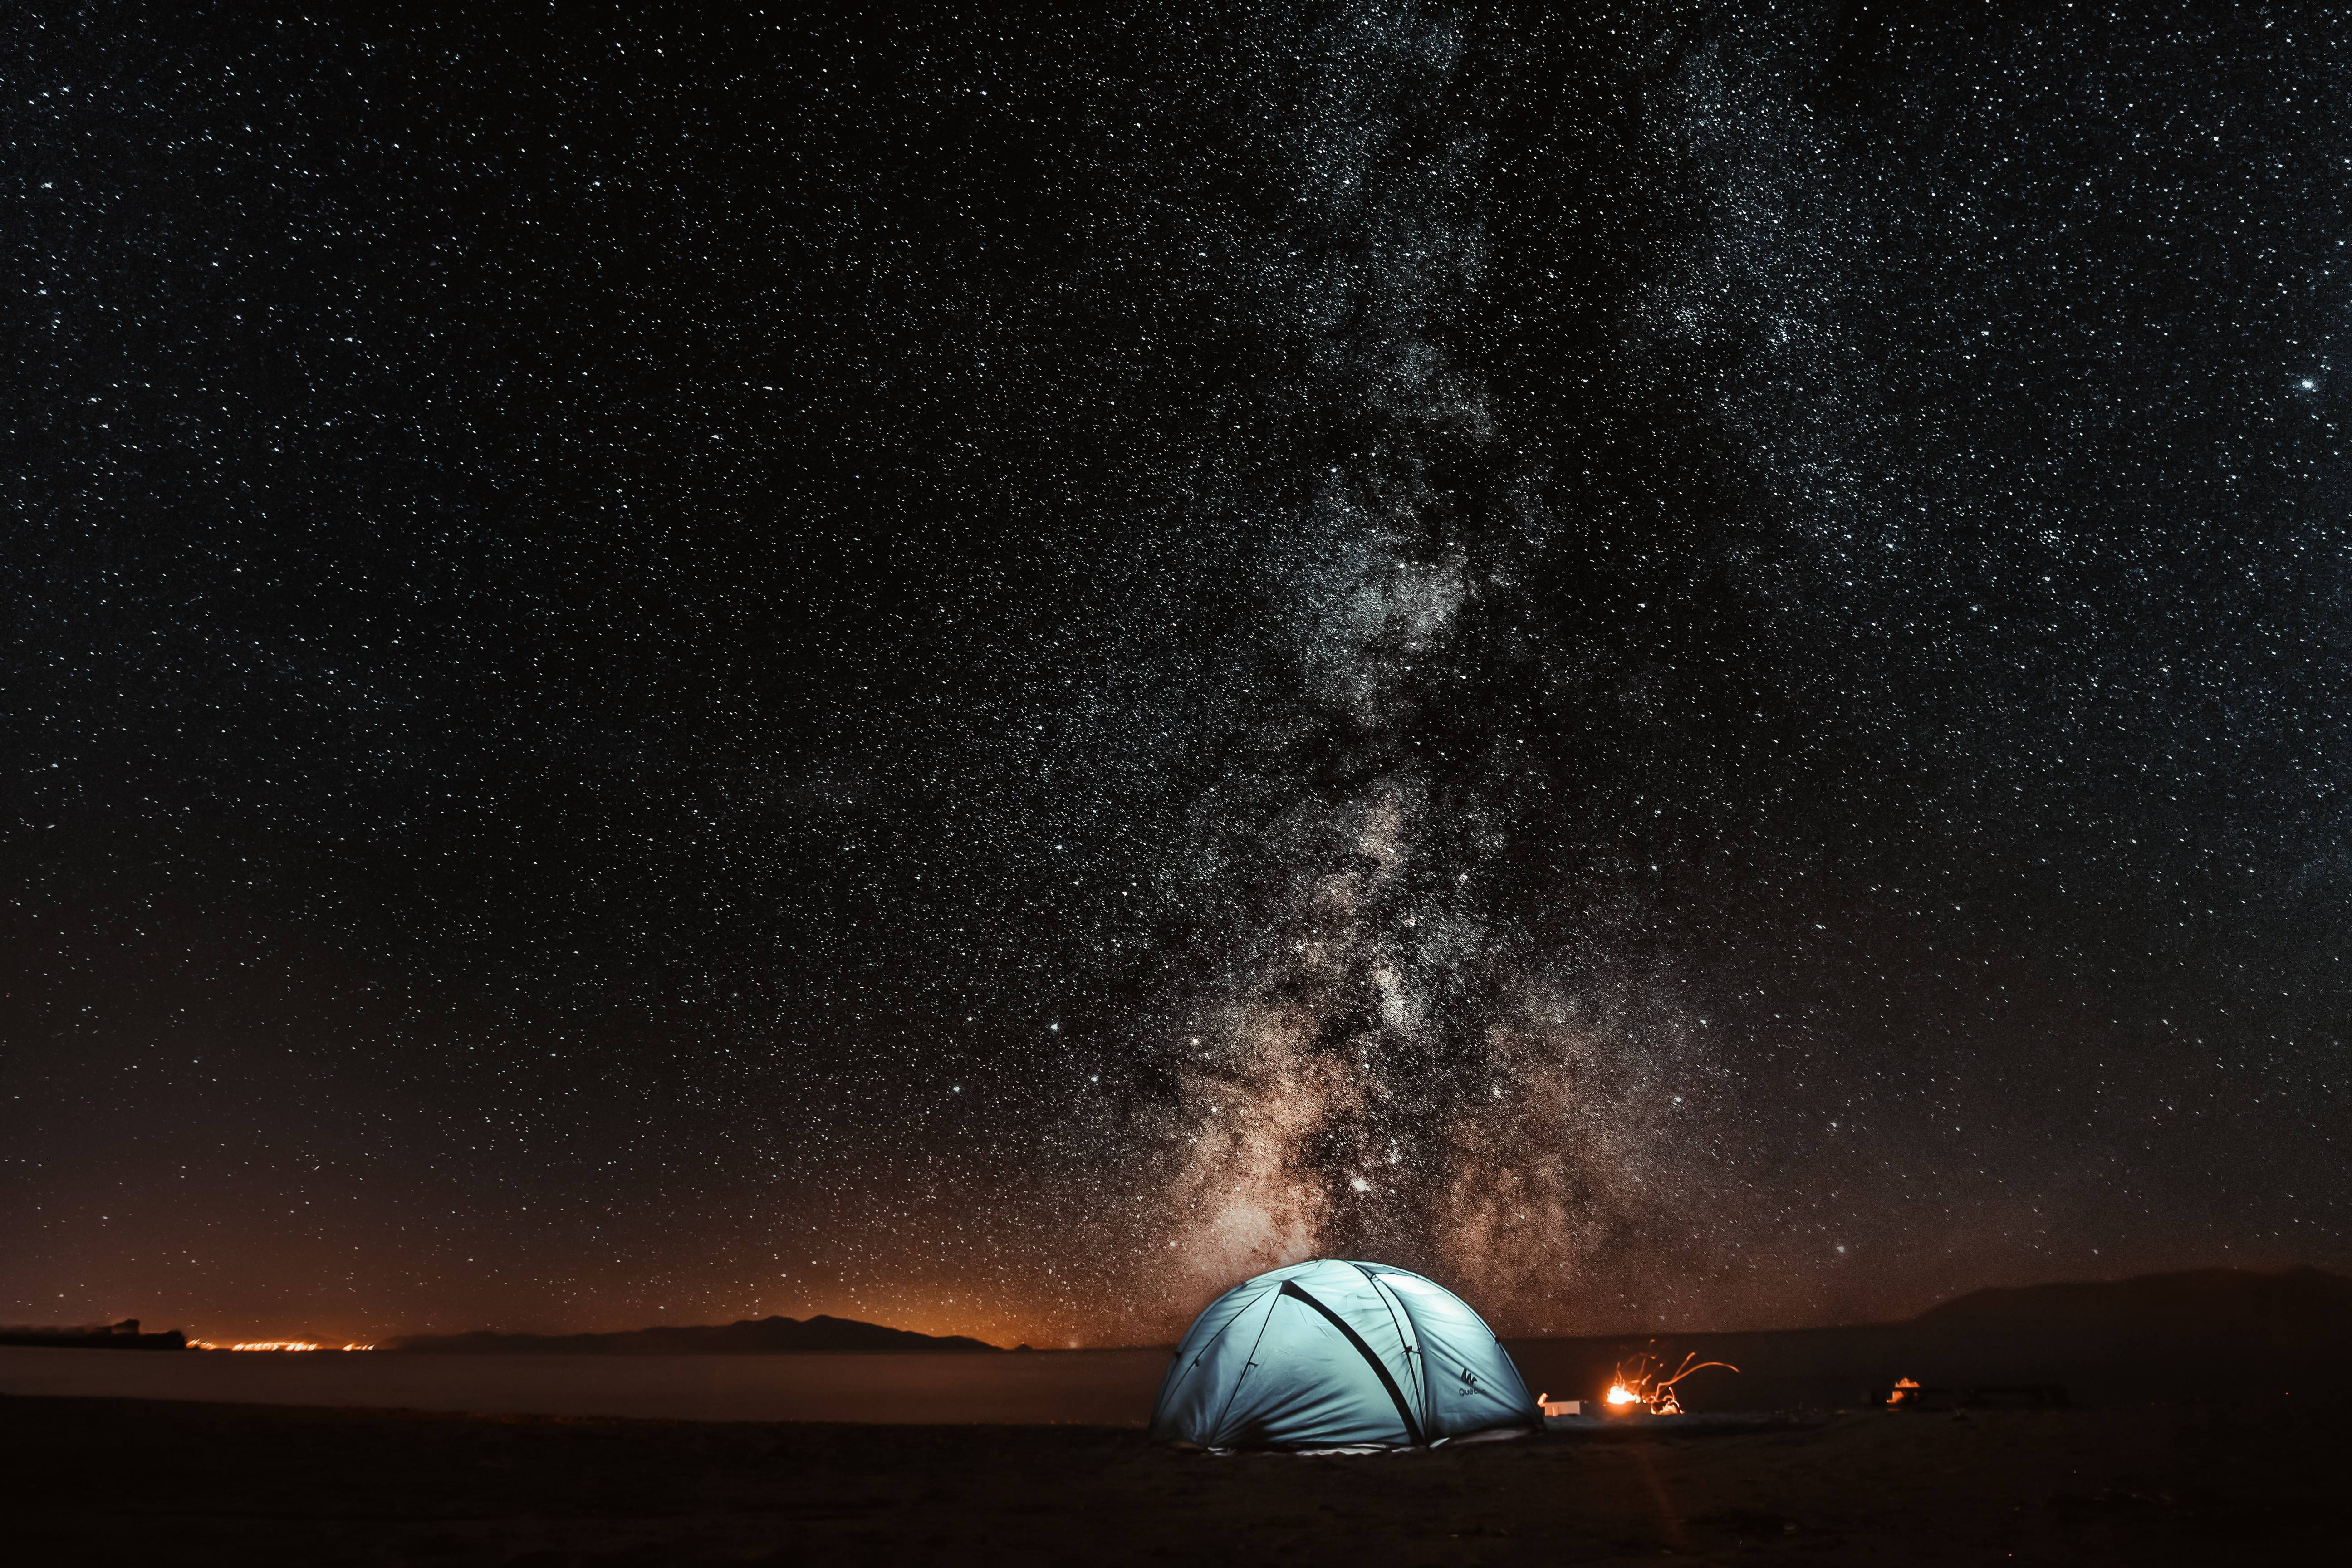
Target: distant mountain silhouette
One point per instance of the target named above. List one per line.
(750, 1336)
(2300, 1306)
(2204, 1333)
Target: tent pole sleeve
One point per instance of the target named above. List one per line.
(1403, 1410)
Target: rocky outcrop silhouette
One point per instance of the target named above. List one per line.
(121, 1336)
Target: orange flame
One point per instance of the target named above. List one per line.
(1642, 1384)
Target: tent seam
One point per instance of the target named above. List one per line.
(1202, 1353)
(1428, 1383)
(1416, 1359)
(1218, 1430)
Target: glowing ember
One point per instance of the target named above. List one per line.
(274, 1345)
(1642, 1384)
(1907, 1392)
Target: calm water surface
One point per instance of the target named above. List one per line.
(1112, 1388)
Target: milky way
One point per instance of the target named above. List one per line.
(1683, 664)
(1378, 1080)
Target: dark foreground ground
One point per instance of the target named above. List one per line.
(132, 1482)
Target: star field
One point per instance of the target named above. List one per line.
(1683, 664)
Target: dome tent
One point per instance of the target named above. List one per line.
(1334, 1354)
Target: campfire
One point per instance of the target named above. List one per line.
(1642, 1384)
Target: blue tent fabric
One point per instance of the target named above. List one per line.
(1337, 1353)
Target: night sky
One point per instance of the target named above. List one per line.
(1686, 665)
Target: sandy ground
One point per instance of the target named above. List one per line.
(130, 1481)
